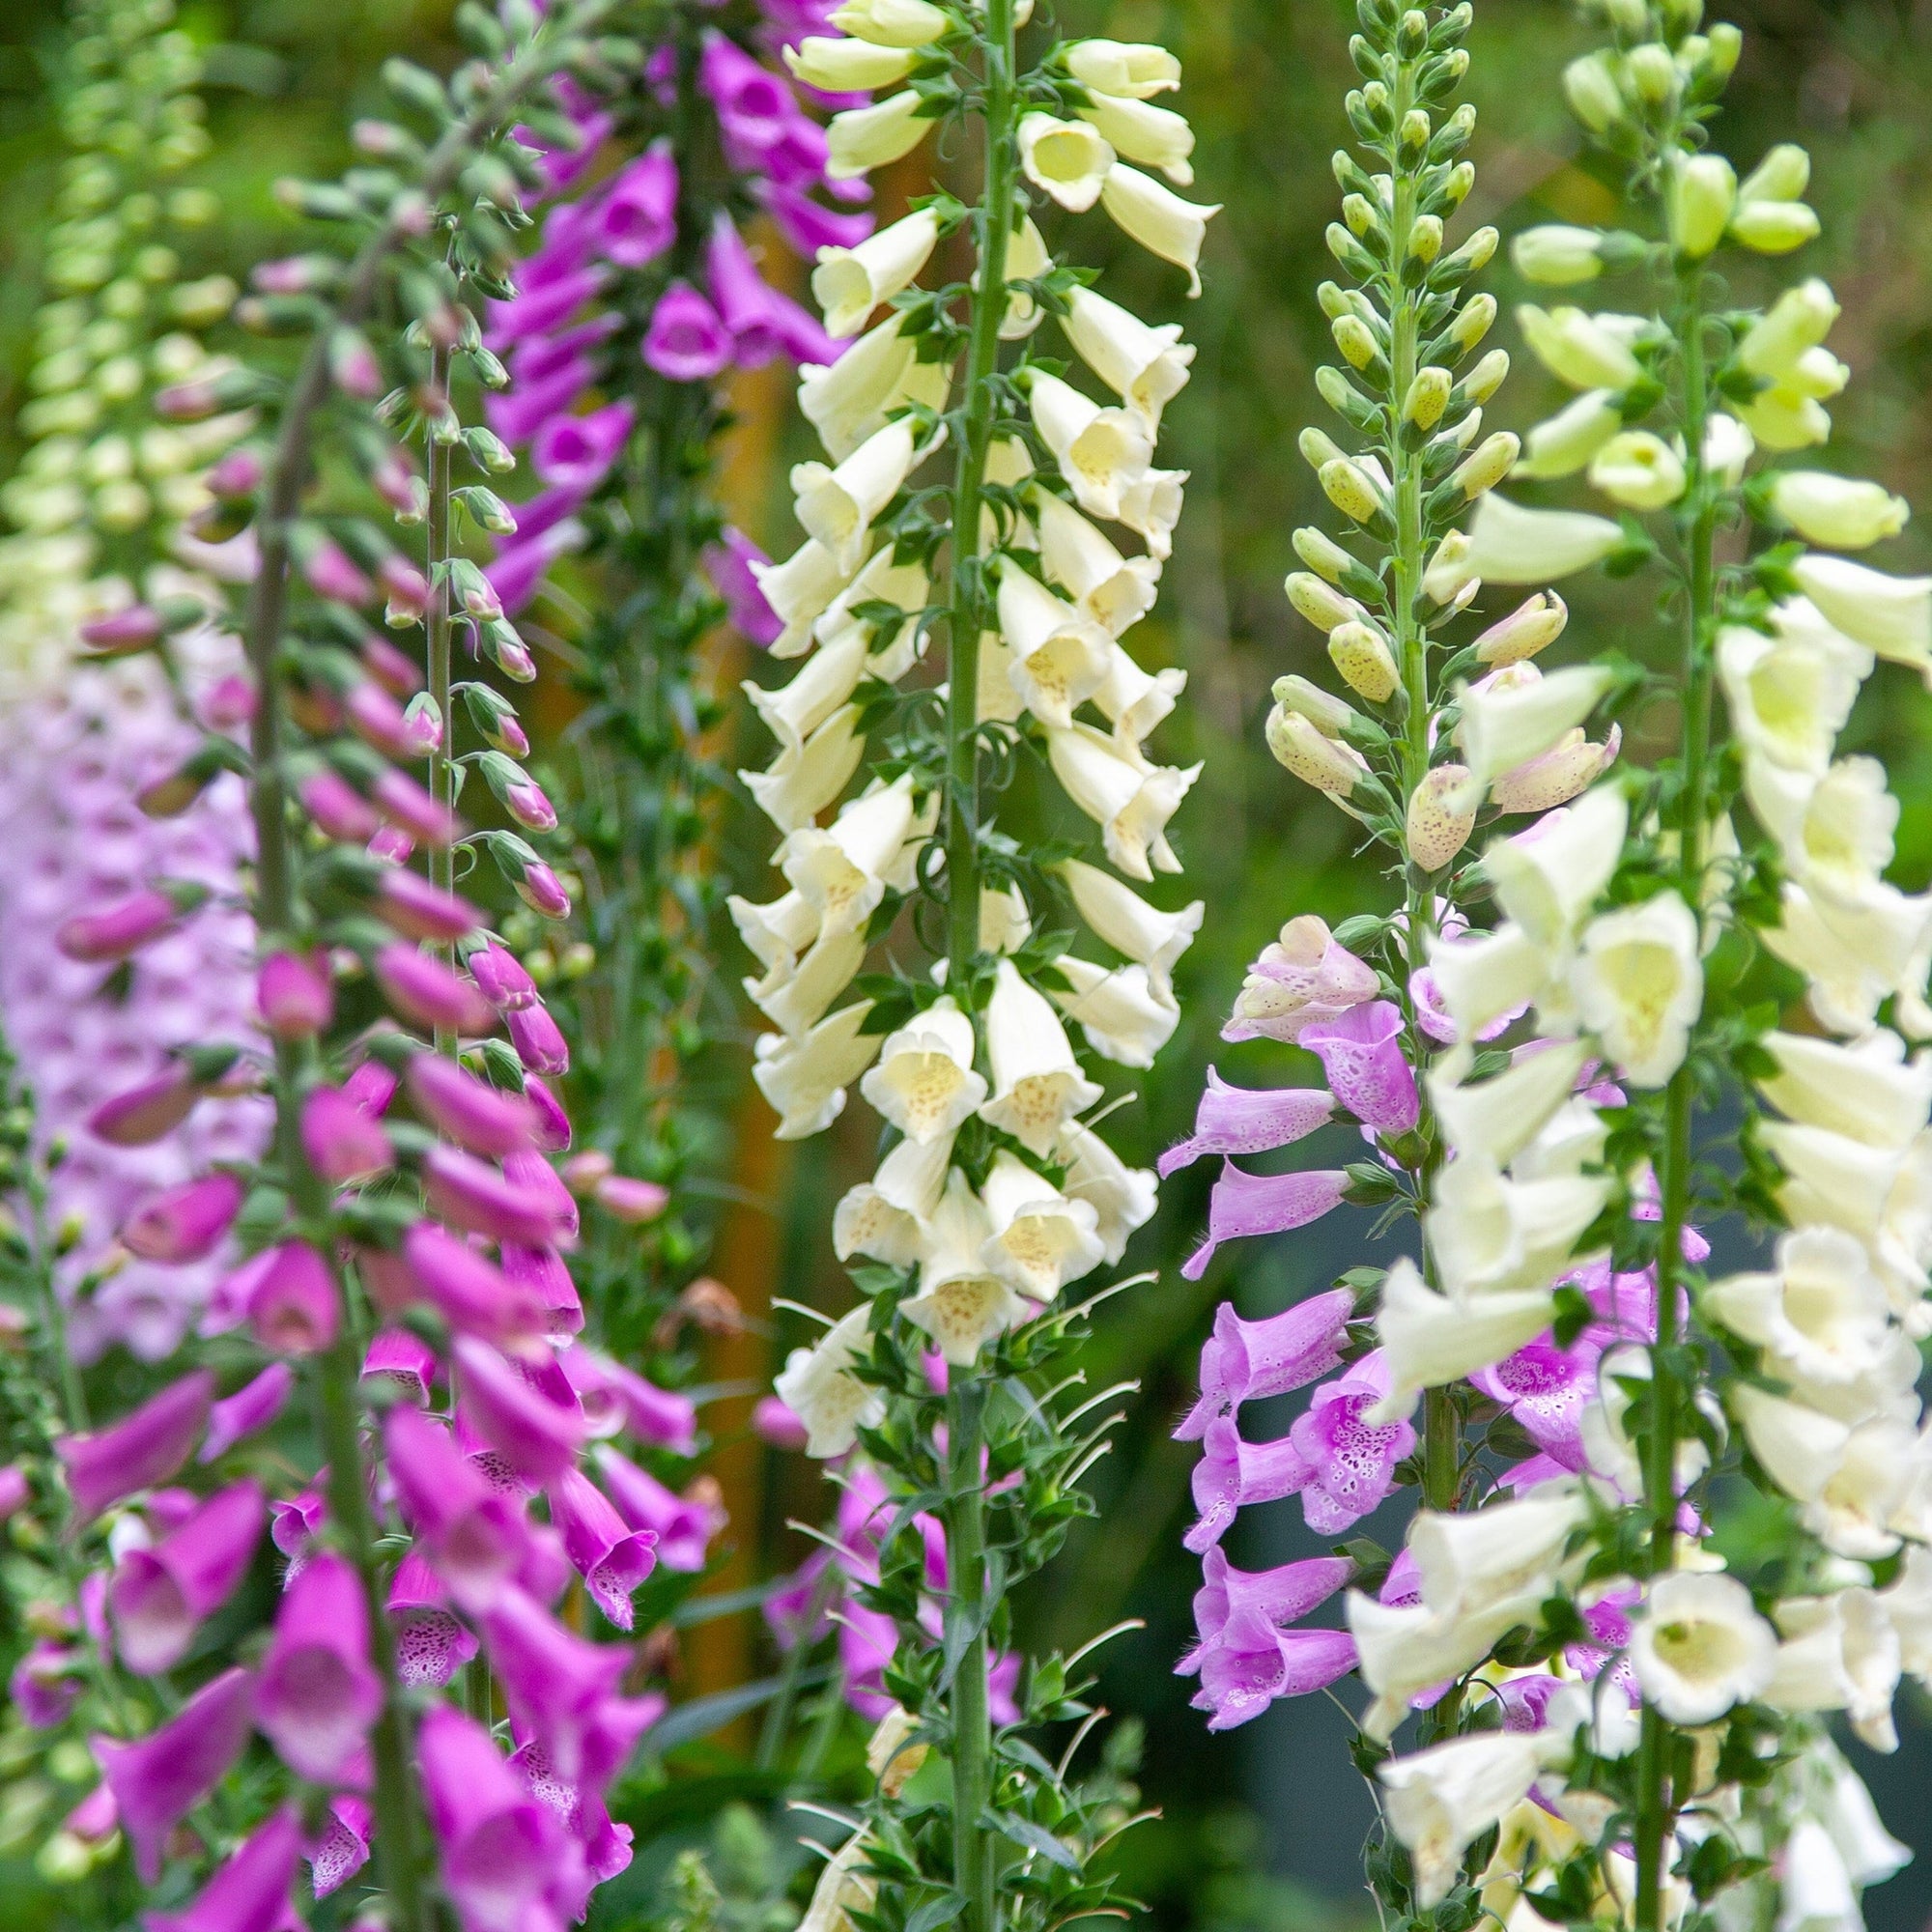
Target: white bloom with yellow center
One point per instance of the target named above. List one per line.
(791, 712)
(795, 999)
(849, 400)
(1134, 700)
(1566, 442)
(1145, 366)
(1491, 1235)
(961, 1303)
(805, 1079)
(1820, 1314)
(864, 138)
(1156, 137)
(892, 23)
(1440, 1801)
(1868, 1091)
(1125, 1018)
(1587, 351)
(1116, 591)
(846, 66)
(850, 283)
(1161, 221)
(1516, 713)
(1498, 1117)
(1038, 1085)
(846, 869)
(838, 506)
(1638, 470)
(1428, 1340)
(1790, 697)
(924, 1082)
(1700, 1648)
(884, 1217)
(1059, 656)
(1639, 985)
(1839, 1653)
(1510, 544)
(1547, 879)
(1134, 71)
(798, 590)
(1891, 615)
(1123, 1197)
(1040, 1240)
(1838, 512)
(802, 780)
(817, 1387)
(1066, 160)
(1122, 918)
(1102, 452)
(1130, 800)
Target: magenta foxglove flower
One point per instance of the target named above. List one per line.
(403, 1360)
(407, 902)
(477, 1537)
(292, 1525)
(16, 1490)
(542, 891)
(469, 1291)
(118, 931)
(46, 1684)
(1232, 1473)
(500, 977)
(729, 564)
(343, 1143)
(423, 989)
(554, 1683)
(520, 568)
(148, 1113)
(636, 219)
(337, 808)
(187, 1223)
(341, 1848)
(1350, 1461)
(1361, 1052)
(1281, 1596)
(159, 1596)
(616, 1399)
(332, 572)
(755, 108)
(1240, 1119)
(536, 1436)
(1248, 1361)
(775, 1423)
(683, 1527)
(1262, 1204)
(467, 1193)
(1546, 1389)
(139, 1451)
(611, 1558)
(293, 996)
(628, 1199)
(806, 225)
(407, 808)
(745, 303)
(540, 309)
(553, 1123)
(251, 1408)
(473, 1113)
(687, 342)
(538, 1039)
(250, 1892)
(317, 1695)
(576, 452)
(1254, 1663)
(157, 1780)
(293, 1307)
(529, 1170)
(605, 1845)
(431, 1642)
(543, 1272)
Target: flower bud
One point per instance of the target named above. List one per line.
(1328, 714)
(500, 975)
(1652, 73)
(1775, 227)
(1838, 512)
(1425, 237)
(1557, 255)
(542, 891)
(1568, 440)
(293, 996)
(1590, 87)
(1315, 600)
(1350, 490)
(1639, 470)
(466, 1110)
(1318, 447)
(293, 1308)
(422, 725)
(426, 992)
(1535, 623)
(630, 1201)
(1427, 397)
(185, 1223)
(1783, 175)
(120, 931)
(1566, 770)
(1354, 339)
(148, 1113)
(1315, 760)
(1492, 459)
(1487, 377)
(1446, 578)
(396, 674)
(1361, 654)
(1321, 553)
(1442, 814)
(538, 1039)
(1473, 320)
(418, 910)
(407, 806)
(1726, 43)
(494, 718)
(1703, 190)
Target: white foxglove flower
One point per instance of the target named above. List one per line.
(1467, 1563)
(1038, 1085)
(817, 1387)
(892, 23)
(1790, 696)
(1728, 446)
(1440, 1801)
(884, 1217)
(1907, 1601)
(1004, 923)
(998, 696)
(923, 1082)
(1586, 352)
(846, 66)
(1059, 657)
(1516, 713)
(798, 590)
(1891, 615)
(1869, 1091)
(1040, 1240)
(1571, 1141)
(961, 1304)
(777, 932)
(1102, 452)
(1028, 259)
(795, 1001)
(838, 506)
(1406, 1649)
(1820, 1315)
(1639, 985)
(1557, 255)
(1835, 832)
(864, 138)
(1125, 1018)
(1117, 592)
(792, 712)
(1497, 1119)
(1151, 507)
(1833, 1179)
(1854, 954)
(1547, 879)
(1145, 366)
(804, 1080)
(1797, 1445)
(1130, 800)
(1796, 323)
(1483, 975)
(1157, 137)
(849, 400)
(1639, 471)
(1838, 512)
(1563, 443)
(801, 782)
(845, 870)
(1868, 1497)
(1509, 544)
(1134, 700)
(1700, 1648)
(1123, 1197)
(1134, 71)
(881, 581)
(849, 283)
(1490, 1235)
(1428, 1340)
(1066, 160)
(1124, 921)
(1158, 219)
(1839, 1653)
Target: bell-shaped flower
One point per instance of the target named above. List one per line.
(850, 283)
(864, 138)
(612, 1558)
(1498, 1117)
(1152, 507)
(1038, 1085)
(1060, 658)
(318, 1694)
(892, 23)
(1133, 70)
(160, 1778)
(1145, 366)
(1362, 1054)
(845, 64)
(838, 506)
(882, 579)
(142, 1450)
(849, 400)
(1549, 878)
(1639, 985)
(884, 1217)
(250, 1891)
(1248, 1656)
(1102, 453)
(1134, 700)
(1516, 713)
(1835, 832)
(817, 1387)
(1481, 981)
(554, 1683)
(1125, 1019)
(1639, 470)
(1406, 1650)
(801, 587)
(1510, 544)
(1249, 1361)
(1152, 213)
(1839, 1653)
(1245, 1204)
(1891, 615)
(1790, 696)
(869, 849)
(961, 1303)
(1820, 1314)
(1066, 160)
(1430, 1340)
(1440, 1801)
(1570, 767)
(796, 1001)
(805, 1079)
(1304, 975)
(1700, 1648)
(1139, 131)
(1586, 352)
(792, 712)
(1546, 1390)
(475, 1535)
(1116, 591)
(1838, 512)
(923, 1082)
(1234, 1473)
(776, 932)
(1867, 1092)
(535, 1436)
(1563, 443)
(798, 786)
(252, 1407)
(159, 1595)
(684, 1525)
(1123, 1198)
(1040, 1240)
(1506, 1554)
(1130, 800)
(1241, 1120)
(1124, 921)
(1854, 955)
(1351, 1459)
(1492, 1236)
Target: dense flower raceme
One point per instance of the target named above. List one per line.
(457, 1411)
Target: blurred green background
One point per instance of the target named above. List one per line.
(1261, 1827)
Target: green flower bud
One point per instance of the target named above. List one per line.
(1427, 397)
(1353, 337)
(1590, 86)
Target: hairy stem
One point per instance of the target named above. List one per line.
(966, 1609)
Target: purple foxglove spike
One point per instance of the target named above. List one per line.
(516, 414)
(502, 1852)
(775, 1424)
(295, 1521)
(687, 342)
(637, 218)
(553, 1123)
(343, 1143)
(500, 975)
(341, 1848)
(159, 1596)
(469, 1194)
(536, 1436)
(185, 1223)
(545, 306)
(1240, 1119)
(1262, 1204)
(432, 1643)
(1254, 1663)
(293, 996)
(250, 1892)
(469, 1291)
(605, 1845)
(119, 931)
(410, 808)
(616, 1398)
(1232, 1473)
(1546, 1389)
(140, 1451)
(46, 1685)
(251, 1408)
(807, 227)
(685, 1526)
(538, 1039)
(1351, 1461)
(611, 1559)
(576, 452)
(801, 335)
(160, 1778)
(475, 1535)
(466, 1110)
(542, 1270)
(403, 1360)
(1281, 1596)
(729, 564)
(531, 1171)
(337, 808)
(409, 903)
(540, 356)
(371, 1086)
(1361, 1052)
(554, 1683)
(430, 994)
(744, 302)
(1248, 1361)
(796, 1611)
(148, 1113)
(293, 1307)
(317, 1696)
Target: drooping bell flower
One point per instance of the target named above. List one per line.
(1304, 977)
(295, 1308)
(469, 1194)
(1262, 1204)
(432, 1643)
(469, 1291)
(427, 992)
(145, 1448)
(411, 808)
(543, 1272)
(636, 219)
(1248, 1361)
(538, 1039)
(118, 931)
(554, 1683)
(775, 1424)
(1253, 1663)
(184, 1223)
(1241, 1120)
(403, 1362)
(755, 108)
(469, 1110)
(684, 1525)
(611, 1558)
(1352, 1461)
(475, 1535)
(806, 225)
(340, 1850)
(317, 1696)
(1232, 1473)
(536, 1436)
(343, 1142)
(293, 1522)
(687, 341)
(16, 1490)
(577, 452)
(157, 1780)
(618, 1398)
(159, 1595)
(250, 1892)
(337, 808)
(744, 302)
(409, 903)
(252, 1406)
(605, 1845)
(542, 307)
(293, 996)
(1361, 1052)
(529, 1170)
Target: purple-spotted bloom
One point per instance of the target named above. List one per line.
(1361, 1052)
(1304, 977)
(251, 1408)
(611, 1557)
(1244, 1204)
(1240, 1119)
(1247, 1655)
(1248, 1361)
(684, 1525)
(1546, 1389)
(340, 1850)
(537, 1436)
(431, 1642)
(1350, 1461)
(1232, 1472)
(554, 1683)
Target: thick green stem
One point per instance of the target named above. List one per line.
(966, 1610)
(437, 627)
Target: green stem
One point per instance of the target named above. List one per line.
(966, 1609)
(62, 1370)
(436, 626)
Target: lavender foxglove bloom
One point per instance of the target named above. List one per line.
(536, 1436)
(1248, 1361)
(553, 1123)
(575, 453)
(469, 1110)
(728, 564)
(687, 341)
(139, 1451)
(408, 903)
(1305, 975)
(806, 225)
(185, 1223)
(755, 109)
(317, 1695)
(1350, 1461)
(611, 1558)
(1546, 1389)
(1232, 1473)
(1281, 1596)
(1262, 1204)
(683, 1527)
(1240, 1119)
(294, 1306)
(148, 1113)
(432, 1643)
(157, 1780)
(527, 1169)
(16, 1490)
(554, 1683)
(250, 1892)
(1361, 1052)
(251, 1408)
(745, 303)
(293, 1525)
(159, 1595)
(1253, 1663)
(341, 1848)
